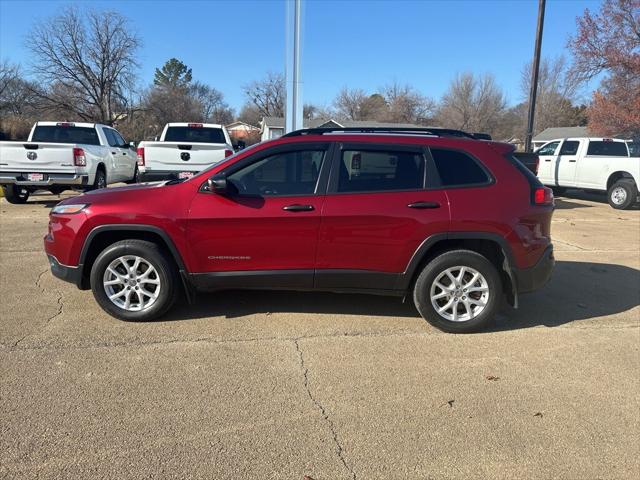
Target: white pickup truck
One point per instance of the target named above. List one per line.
(60, 155)
(603, 164)
(184, 149)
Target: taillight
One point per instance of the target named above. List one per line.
(543, 196)
(228, 153)
(79, 160)
(141, 156)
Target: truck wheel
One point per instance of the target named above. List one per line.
(134, 280)
(100, 181)
(458, 291)
(15, 194)
(622, 194)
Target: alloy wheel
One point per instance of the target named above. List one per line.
(459, 294)
(131, 283)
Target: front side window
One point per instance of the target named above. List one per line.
(288, 173)
(607, 148)
(377, 171)
(457, 168)
(548, 149)
(570, 147)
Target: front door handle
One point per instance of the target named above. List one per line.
(124, 153)
(113, 153)
(572, 161)
(298, 208)
(548, 160)
(423, 205)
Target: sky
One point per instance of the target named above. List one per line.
(352, 43)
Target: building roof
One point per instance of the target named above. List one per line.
(241, 124)
(278, 122)
(560, 132)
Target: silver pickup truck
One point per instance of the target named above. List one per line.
(62, 155)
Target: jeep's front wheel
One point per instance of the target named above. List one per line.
(458, 291)
(134, 280)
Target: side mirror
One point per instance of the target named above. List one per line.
(132, 145)
(218, 184)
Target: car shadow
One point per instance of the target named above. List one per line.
(577, 291)
(591, 196)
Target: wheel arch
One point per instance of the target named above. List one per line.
(615, 176)
(104, 235)
(492, 246)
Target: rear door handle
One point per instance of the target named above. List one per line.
(113, 153)
(124, 153)
(423, 205)
(298, 208)
(572, 161)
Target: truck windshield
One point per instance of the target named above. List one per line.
(194, 135)
(65, 134)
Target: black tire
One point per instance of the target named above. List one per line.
(15, 194)
(136, 177)
(622, 194)
(100, 180)
(153, 255)
(436, 267)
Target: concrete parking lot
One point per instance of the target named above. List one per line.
(283, 385)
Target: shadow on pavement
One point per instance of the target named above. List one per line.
(577, 291)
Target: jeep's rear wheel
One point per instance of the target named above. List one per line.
(134, 280)
(459, 291)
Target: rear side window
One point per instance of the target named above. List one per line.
(68, 134)
(569, 147)
(457, 168)
(111, 138)
(377, 171)
(609, 148)
(194, 135)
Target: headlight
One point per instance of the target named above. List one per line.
(69, 208)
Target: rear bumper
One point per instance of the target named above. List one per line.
(64, 272)
(20, 178)
(534, 278)
(158, 175)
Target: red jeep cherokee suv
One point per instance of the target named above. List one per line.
(454, 221)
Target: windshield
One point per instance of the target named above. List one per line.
(65, 134)
(195, 135)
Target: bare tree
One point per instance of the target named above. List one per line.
(557, 92)
(472, 103)
(8, 74)
(406, 105)
(267, 95)
(212, 104)
(86, 61)
(348, 103)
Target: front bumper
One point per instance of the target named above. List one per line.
(65, 272)
(159, 175)
(20, 178)
(534, 278)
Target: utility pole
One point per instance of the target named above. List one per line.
(293, 113)
(534, 76)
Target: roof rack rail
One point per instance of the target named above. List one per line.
(434, 131)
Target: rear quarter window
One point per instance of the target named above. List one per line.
(456, 168)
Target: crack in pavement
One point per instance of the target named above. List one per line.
(49, 319)
(323, 412)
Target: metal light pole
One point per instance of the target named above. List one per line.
(293, 113)
(534, 77)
